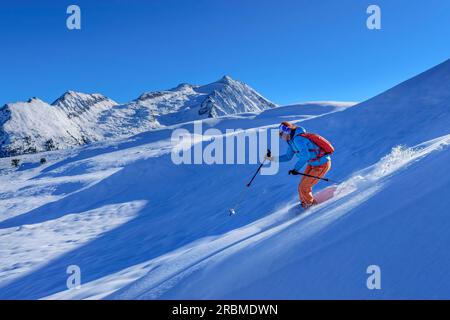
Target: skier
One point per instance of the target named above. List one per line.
(309, 148)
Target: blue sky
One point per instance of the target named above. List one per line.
(288, 50)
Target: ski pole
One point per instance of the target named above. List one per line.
(259, 169)
(233, 210)
(324, 179)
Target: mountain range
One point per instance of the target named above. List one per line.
(79, 118)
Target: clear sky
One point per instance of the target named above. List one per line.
(288, 50)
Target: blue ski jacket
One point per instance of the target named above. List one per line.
(301, 146)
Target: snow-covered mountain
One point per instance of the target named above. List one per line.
(33, 126)
(78, 118)
(189, 102)
(120, 211)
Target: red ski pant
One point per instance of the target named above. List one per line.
(307, 183)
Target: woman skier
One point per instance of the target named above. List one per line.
(309, 148)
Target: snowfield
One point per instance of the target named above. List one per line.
(141, 227)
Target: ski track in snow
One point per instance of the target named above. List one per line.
(51, 238)
(351, 194)
(154, 285)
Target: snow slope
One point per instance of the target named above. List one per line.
(415, 111)
(133, 173)
(170, 236)
(377, 218)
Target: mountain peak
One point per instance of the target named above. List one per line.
(34, 99)
(182, 86)
(226, 79)
(74, 95)
(75, 103)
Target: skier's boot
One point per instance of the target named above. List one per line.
(306, 206)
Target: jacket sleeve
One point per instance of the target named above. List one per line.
(287, 156)
(303, 155)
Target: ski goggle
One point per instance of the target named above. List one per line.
(284, 130)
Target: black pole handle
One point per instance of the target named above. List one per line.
(269, 154)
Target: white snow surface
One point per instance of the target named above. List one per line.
(141, 227)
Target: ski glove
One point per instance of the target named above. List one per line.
(294, 172)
